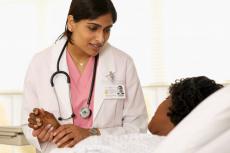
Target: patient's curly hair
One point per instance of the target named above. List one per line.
(187, 93)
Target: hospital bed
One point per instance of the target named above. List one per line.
(205, 130)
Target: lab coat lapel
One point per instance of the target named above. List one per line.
(60, 80)
(105, 66)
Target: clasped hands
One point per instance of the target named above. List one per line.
(47, 129)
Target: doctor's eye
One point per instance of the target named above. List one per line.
(92, 28)
(107, 30)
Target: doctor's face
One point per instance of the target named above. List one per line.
(160, 123)
(89, 36)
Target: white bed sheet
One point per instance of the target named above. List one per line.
(131, 143)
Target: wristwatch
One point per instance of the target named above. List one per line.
(94, 131)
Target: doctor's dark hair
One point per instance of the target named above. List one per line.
(89, 9)
(187, 93)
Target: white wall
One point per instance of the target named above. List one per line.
(167, 39)
(197, 37)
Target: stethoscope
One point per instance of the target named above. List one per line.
(85, 112)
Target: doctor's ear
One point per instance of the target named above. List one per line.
(70, 23)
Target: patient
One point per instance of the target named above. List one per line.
(185, 95)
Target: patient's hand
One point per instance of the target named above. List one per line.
(43, 123)
(41, 118)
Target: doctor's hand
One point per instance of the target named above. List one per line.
(40, 118)
(44, 133)
(68, 135)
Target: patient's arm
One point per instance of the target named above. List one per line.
(41, 118)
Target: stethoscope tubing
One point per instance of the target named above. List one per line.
(68, 82)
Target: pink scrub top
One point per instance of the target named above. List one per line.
(80, 87)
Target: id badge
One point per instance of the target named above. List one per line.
(114, 92)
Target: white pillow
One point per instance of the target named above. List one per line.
(205, 130)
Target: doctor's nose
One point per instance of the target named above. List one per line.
(101, 37)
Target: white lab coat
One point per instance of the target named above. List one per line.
(111, 116)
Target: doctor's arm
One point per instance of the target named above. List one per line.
(30, 101)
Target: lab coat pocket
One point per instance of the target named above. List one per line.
(111, 112)
(119, 112)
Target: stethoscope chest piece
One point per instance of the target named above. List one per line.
(85, 112)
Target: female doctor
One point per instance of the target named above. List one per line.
(87, 84)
